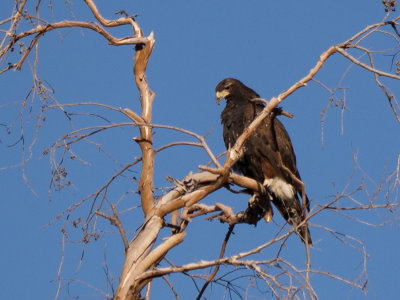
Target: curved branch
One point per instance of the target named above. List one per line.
(365, 66)
(135, 117)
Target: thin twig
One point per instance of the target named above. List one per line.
(221, 254)
(115, 220)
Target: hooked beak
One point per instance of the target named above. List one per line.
(221, 95)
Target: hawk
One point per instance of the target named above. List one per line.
(267, 155)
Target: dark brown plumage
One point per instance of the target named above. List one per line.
(260, 159)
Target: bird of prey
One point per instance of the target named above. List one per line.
(267, 155)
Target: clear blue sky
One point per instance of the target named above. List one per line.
(269, 45)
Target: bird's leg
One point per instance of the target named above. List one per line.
(265, 203)
(259, 205)
(253, 211)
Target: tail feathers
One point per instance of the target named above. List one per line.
(292, 212)
(304, 233)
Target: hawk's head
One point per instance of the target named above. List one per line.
(233, 88)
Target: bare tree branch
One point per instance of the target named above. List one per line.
(145, 253)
